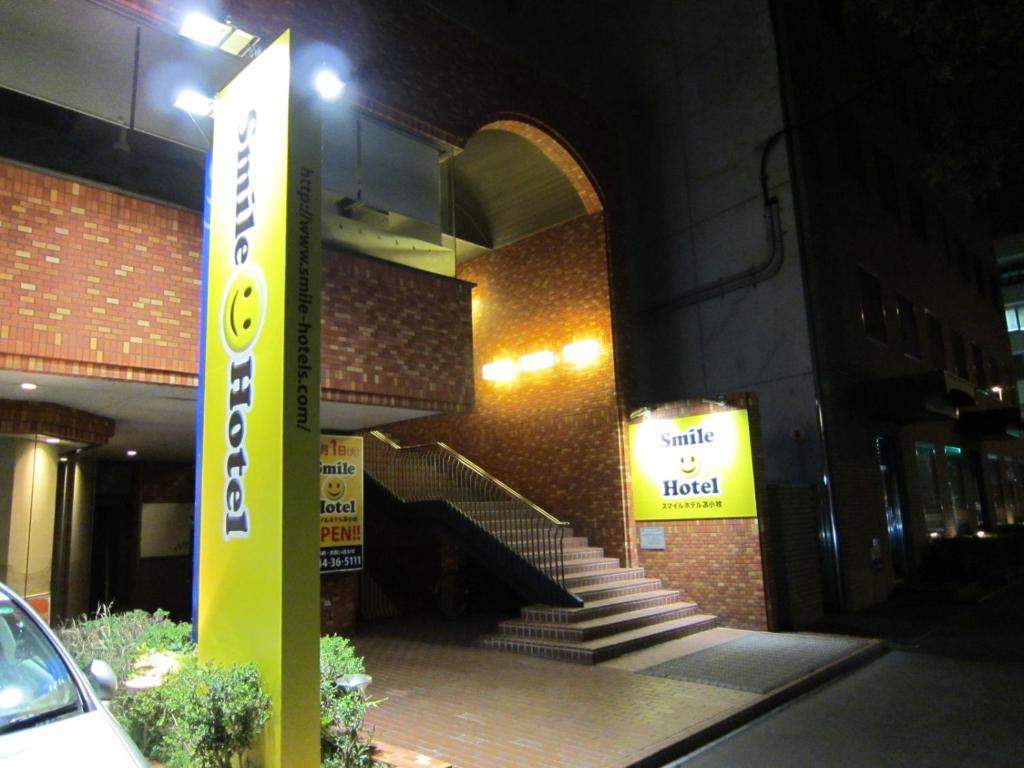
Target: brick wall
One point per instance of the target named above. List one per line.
(339, 597)
(723, 565)
(97, 279)
(97, 283)
(553, 435)
(716, 564)
(396, 335)
(24, 417)
(792, 510)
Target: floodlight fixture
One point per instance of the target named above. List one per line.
(201, 28)
(194, 103)
(217, 34)
(328, 84)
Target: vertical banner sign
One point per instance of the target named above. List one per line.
(692, 468)
(341, 503)
(258, 590)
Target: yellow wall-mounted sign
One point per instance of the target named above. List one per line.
(693, 467)
(341, 503)
(259, 417)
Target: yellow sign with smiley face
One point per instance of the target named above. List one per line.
(689, 464)
(341, 503)
(244, 305)
(692, 467)
(256, 587)
(332, 488)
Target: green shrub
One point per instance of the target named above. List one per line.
(121, 638)
(214, 713)
(341, 712)
(203, 716)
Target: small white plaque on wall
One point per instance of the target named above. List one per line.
(166, 530)
(652, 537)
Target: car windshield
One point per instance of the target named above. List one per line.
(35, 684)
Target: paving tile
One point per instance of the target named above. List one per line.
(522, 708)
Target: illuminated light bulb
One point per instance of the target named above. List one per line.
(328, 85)
(500, 370)
(194, 103)
(537, 361)
(203, 29)
(28, 386)
(581, 353)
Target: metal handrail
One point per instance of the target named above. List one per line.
(435, 471)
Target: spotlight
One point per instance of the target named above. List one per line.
(194, 103)
(328, 84)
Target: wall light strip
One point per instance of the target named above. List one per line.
(500, 370)
(581, 353)
(537, 361)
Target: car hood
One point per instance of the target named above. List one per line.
(89, 739)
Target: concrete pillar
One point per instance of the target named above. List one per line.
(80, 548)
(28, 494)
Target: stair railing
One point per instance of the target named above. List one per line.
(436, 472)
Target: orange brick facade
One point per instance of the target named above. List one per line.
(90, 277)
(97, 283)
(554, 434)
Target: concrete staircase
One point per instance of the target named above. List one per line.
(622, 611)
(596, 609)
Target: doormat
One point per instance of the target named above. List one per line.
(759, 662)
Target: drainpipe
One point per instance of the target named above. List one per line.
(764, 270)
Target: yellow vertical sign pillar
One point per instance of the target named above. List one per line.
(257, 583)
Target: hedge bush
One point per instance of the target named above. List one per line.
(204, 715)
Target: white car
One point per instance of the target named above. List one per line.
(50, 713)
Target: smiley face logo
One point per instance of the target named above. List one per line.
(332, 488)
(244, 305)
(689, 465)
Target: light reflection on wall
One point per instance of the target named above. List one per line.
(578, 354)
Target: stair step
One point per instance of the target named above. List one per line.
(602, 576)
(529, 541)
(546, 560)
(602, 626)
(592, 609)
(615, 589)
(603, 648)
(585, 565)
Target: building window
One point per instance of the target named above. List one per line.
(918, 214)
(872, 312)
(1015, 317)
(928, 485)
(995, 377)
(956, 484)
(936, 342)
(888, 186)
(959, 355)
(908, 327)
(980, 377)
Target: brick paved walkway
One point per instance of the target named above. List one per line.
(488, 709)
